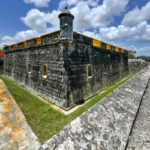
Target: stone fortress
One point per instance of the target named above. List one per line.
(65, 67)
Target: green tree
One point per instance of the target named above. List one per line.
(147, 58)
(131, 54)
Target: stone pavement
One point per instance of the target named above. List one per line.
(107, 125)
(140, 135)
(15, 133)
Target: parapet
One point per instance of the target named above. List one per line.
(35, 42)
(54, 38)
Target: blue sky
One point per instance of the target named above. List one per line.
(125, 23)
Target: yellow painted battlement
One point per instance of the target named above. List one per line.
(24, 44)
(38, 41)
(108, 46)
(96, 43)
(117, 49)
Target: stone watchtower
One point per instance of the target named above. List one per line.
(66, 25)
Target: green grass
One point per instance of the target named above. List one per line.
(43, 119)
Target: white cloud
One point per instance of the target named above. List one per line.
(20, 36)
(52, 18)
(35, 19)
(39, 23)
(122, 32)
(24, 35)
(38, 3)
(98, 16)
(81, 21)
(89, 14)
(93, 34)
(7, 40)
(38, 20)
(64, 3)
(137, 15)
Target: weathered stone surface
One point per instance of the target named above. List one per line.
(140, 136)
(67, 81)
(15, 133)
(137, 64)
(1, 66)
(107, 125)
(52, 88)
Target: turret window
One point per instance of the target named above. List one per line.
(44, 71)
(29, 68)
(89, 71)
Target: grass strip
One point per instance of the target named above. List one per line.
(44, 120)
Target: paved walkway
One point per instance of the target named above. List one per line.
(140, 136)
(15, 133)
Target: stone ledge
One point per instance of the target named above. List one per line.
(136, 65)
(15, 133)
(106, 125)
(140, 135)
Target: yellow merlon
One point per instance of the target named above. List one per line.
(96, 43)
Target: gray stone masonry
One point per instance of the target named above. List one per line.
(107, 125)
(140, 136)
(137, 64)
(65, 67)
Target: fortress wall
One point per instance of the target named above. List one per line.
(136, 65)
(52, 86)
(107, 67)
(67, 81)
(107, 124)
(25, 66)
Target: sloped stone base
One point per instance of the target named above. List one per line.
(15, 133)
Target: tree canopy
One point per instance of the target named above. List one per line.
(131, 54)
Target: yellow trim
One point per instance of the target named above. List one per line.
(16, 46)
(24, 44)
(96, 43)
(38, 40)
(44, 70)
(108, 46)
(117, 49)
(122, 50)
